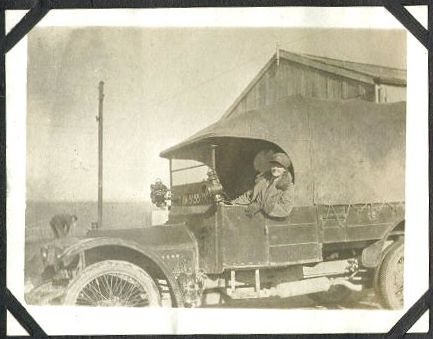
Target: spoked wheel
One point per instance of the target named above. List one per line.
(390, 280)
(113, 283)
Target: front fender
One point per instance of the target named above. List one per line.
(76, 249)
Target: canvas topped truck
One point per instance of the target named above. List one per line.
(344, 233)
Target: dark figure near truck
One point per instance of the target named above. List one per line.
(61, 224)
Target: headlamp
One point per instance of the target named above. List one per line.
(50, 255)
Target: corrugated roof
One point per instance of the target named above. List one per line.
(366, 73)
(381, 74)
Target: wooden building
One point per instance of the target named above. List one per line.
(287, 74)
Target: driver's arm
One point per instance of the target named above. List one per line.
(244, 199)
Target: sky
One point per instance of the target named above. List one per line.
(161, 86)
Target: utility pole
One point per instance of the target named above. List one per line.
(100, 120)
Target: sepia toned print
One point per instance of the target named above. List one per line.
(292, 197)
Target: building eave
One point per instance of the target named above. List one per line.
(306, 61)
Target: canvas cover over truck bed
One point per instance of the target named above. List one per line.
(343, 152)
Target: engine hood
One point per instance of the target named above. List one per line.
(155, 237)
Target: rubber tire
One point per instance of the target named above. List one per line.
(110, 266)
(335, 295)
(375, 283)
(387, 268)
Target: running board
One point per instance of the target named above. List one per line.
(292, 289)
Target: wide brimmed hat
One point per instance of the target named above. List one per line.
(282, 159)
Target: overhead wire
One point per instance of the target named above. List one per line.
(241, 64)
(182, 90)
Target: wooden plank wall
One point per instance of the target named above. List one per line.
(292, 79)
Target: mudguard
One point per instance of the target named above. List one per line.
(372, 255)
(71, 252)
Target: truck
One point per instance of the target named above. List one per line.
(344, 233)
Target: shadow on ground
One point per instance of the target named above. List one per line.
(359, 300)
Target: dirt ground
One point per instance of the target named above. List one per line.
(358, 300)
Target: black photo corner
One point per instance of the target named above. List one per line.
(37, 9)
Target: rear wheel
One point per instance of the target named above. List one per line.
(335, 295)
(390, 277)
(113, 283)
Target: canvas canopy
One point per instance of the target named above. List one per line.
(342, 151)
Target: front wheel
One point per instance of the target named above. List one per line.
(390, 277)
(113, 283)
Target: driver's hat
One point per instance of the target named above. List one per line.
(281, 159)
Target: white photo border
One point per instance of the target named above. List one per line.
(71, 320)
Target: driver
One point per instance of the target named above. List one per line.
(273, 191)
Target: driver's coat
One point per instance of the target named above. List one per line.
(273, 197)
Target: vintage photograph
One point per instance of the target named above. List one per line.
(216, 167)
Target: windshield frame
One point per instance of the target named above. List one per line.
(211, 166)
